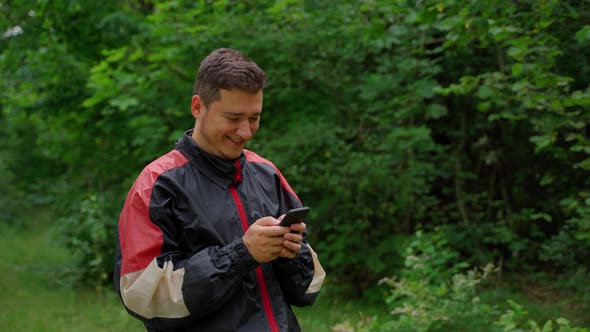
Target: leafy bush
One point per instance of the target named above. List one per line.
(515, 320)
(9, 204)
(89, 230)
(435, 293)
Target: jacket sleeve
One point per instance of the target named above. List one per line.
(301, 278)
(158, 282)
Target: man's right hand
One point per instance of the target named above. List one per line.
(264, 239)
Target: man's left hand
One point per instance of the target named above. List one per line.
(292, 240)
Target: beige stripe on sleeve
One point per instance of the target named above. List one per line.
(154, 291)
(318, 274)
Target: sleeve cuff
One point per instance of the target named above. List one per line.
(241, 257)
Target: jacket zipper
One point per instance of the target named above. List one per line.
(259, 274)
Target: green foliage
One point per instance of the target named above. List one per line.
(7, 187)
(8, 211)
(88, 230)
(523, 89)
(385, 116)
(579, 212)
(434, 294)
(514, 320)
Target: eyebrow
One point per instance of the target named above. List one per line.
(240, 113)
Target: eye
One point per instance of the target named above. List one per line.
(233, 119)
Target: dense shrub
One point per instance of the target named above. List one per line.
(433, 293)
(88, 228)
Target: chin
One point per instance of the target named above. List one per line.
(233, 155)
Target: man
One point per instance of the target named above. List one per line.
(199, 247)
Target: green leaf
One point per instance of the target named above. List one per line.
(569, 203)
(115, 55)
(562, 321)
(545, 23)
(517, 53)
(484, 106)
(546, 180)
(517, 69)
(543, 216)
(583, 35)
(425, 88)
(542, 141)
(123, 102)
(577, 124)
(435, 111)
(585, 164)
(485, 92)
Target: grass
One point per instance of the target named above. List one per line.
(35, 299)
(327, 312)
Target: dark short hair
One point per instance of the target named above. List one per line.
(227, 69)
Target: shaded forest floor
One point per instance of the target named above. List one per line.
(36, 297)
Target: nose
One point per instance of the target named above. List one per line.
(244, 130)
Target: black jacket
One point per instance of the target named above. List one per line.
(180, 262)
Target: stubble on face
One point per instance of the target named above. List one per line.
(225, 126)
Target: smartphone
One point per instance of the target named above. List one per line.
(294, 216)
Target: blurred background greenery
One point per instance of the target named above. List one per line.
(430, 138)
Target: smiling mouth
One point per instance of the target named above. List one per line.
(237, 141)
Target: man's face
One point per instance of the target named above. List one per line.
(226, 125)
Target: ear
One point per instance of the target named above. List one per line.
(196, 106)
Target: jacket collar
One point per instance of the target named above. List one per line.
(222, 172)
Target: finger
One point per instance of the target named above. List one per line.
(288, 253)
(292, 246)
(274, 241)
(270, 229)
(275, 231)
(293, 237)
(262, 240)
(299, 227)
(272, 251)
(276, 249)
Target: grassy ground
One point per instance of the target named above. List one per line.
(34, 299)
